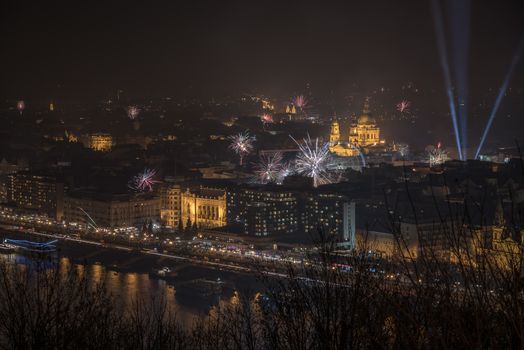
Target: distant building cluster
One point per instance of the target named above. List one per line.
(100, 142)
(259, 210)
(232, 168)
(364, 136)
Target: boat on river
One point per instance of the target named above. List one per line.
(25, 246)
(201, 287)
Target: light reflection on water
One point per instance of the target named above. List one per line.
(128, 287)
(127, 277)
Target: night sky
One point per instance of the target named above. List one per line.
(221, 47)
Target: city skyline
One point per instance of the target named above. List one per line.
(262, 175)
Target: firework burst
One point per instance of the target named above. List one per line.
(300, 101)
(437, 155)
(403, 106)
(144, 181)
(286, 170)
(242, 144)
(20, 105)
(314, 160)
(269, 168)
(403, 150)
(267, 119)
(133, 112)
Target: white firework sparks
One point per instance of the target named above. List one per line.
(313, 160)
(242, 144)
(286, 170)
(437, 155)
(403, 150)
(268, 168)
(133, 112)
(143, 181)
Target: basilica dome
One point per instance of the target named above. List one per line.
(366, 119)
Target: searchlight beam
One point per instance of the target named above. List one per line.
(502, 92)
(439, 31)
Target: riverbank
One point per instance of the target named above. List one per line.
(126, 260)
(205, 261)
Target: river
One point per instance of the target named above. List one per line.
(130, 275)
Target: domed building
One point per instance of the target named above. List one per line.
(364, 135)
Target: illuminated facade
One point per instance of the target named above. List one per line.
(100, 142)
(334, 136)
(71, 137)
(170, 204)
(267, 104)
(111, 211)
(363, 135)
(290, 109)
(203, 207)
(41, 193)
(380, 243)
(366, 132)
(506, 246)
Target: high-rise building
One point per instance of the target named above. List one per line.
(271, 210)
(280, 210)
(41, 193)
(333, 214)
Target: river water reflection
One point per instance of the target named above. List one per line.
(129, 276)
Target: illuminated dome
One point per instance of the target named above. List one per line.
(366, 119)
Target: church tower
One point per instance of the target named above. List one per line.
(290, 109)
(334, 136)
